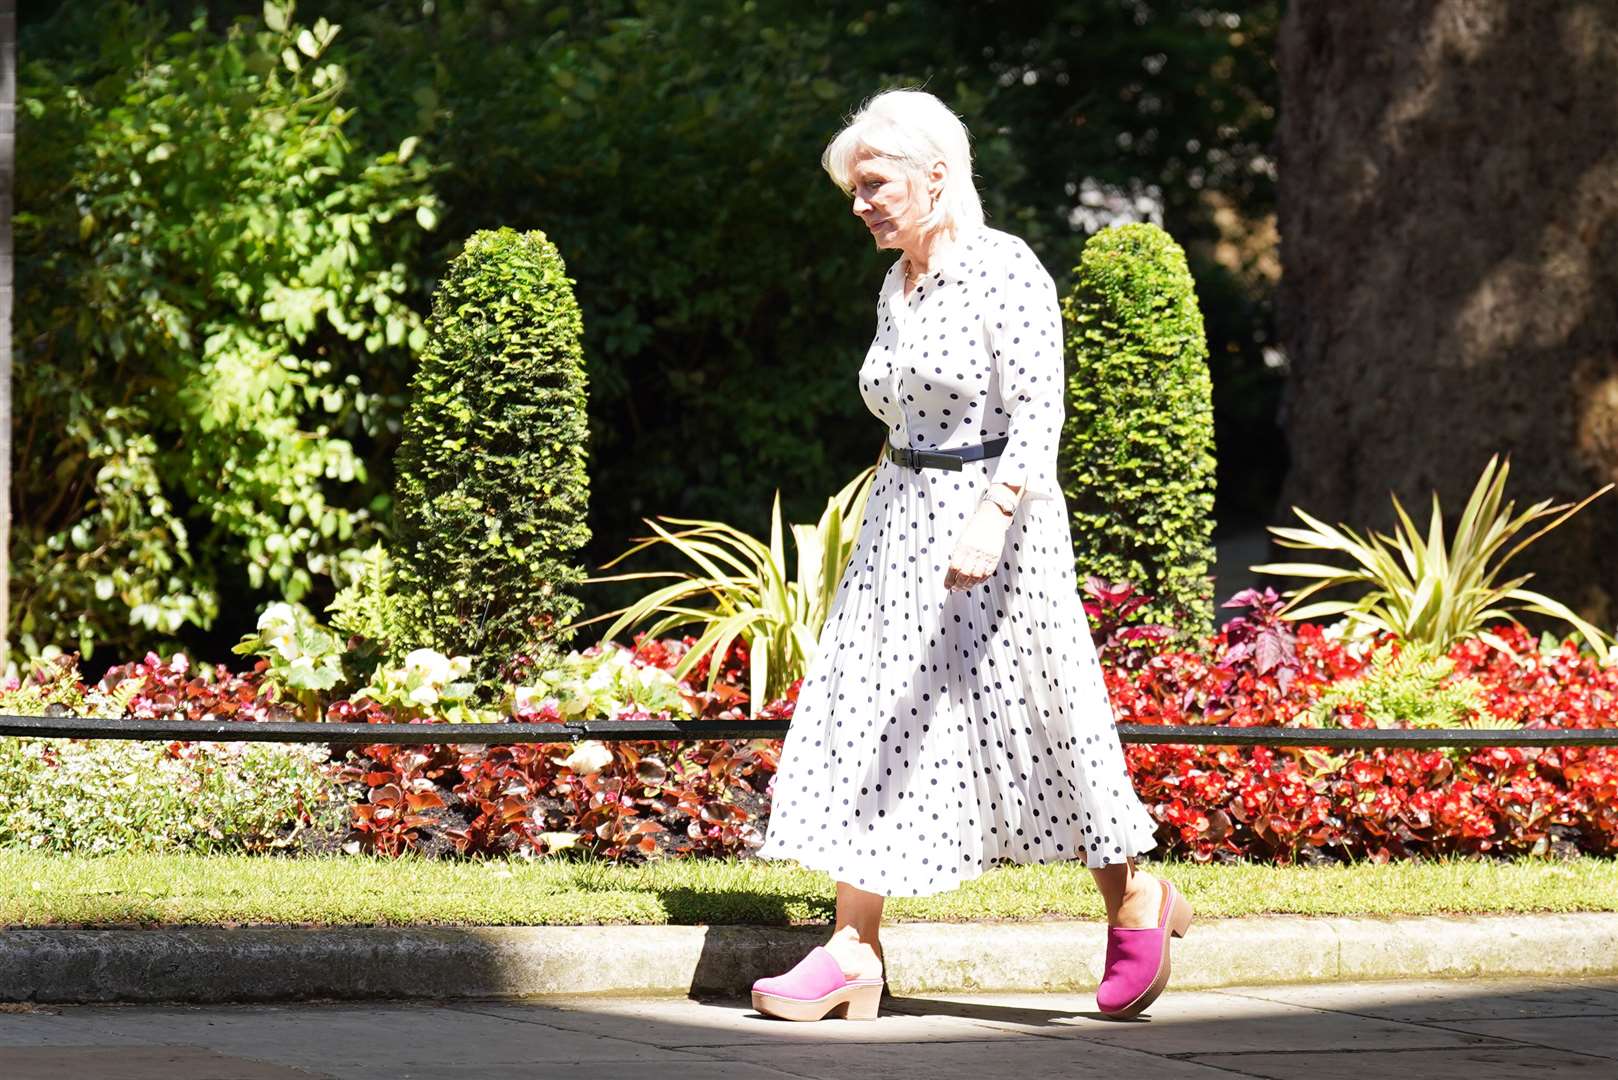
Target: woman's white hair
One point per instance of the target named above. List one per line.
(912, 129)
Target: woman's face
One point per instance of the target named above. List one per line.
(889, 203)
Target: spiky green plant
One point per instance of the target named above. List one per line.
(1433, 591)
(779, 615)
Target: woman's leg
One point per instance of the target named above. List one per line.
(1132, 896)
(855, 940)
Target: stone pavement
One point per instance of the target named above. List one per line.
(1472, 1029)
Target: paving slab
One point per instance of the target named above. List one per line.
(1470, 1063)
(1025, 1059)
(138, 1063)
(687, 1023)
(50, 1027)
(1190, 1019)
(1422, 1000)
(1575, 1033)
(343, 1036)
(1475, 1029)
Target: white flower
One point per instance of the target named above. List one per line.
(588, 757)
(600, 679)
(652, 680)
(283, 642)
(431, 664)
(424, 695)
(280, 616)
(526, 699)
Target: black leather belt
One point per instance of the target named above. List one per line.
(950, 459)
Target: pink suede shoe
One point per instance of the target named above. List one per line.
(1138, 959)
(815, 987)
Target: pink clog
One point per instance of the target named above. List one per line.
(815, 987)
(1138, 959)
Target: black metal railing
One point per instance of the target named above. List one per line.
(77, 727)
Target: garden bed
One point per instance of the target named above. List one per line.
(643, 799)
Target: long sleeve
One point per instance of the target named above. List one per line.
(1023, 326)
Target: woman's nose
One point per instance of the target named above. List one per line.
(860, 206)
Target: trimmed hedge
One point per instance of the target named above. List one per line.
(492, 488)
(1136, 458)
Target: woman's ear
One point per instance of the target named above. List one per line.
(936, 177)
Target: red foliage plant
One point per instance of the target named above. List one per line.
(1287, 803)
(1111, 609)
(652, 797)
(171, 689)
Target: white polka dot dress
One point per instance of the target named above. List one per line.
(936, 731)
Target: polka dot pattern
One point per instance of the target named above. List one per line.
(938, 732)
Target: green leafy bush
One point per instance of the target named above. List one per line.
(312, 664)
(210, 322)
(100, 796)
(599, 683)
(1136, 457)
(427, 686)
(105, 795)
(492, 487)
(648, 135)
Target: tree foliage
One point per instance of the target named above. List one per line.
(671, 149)
(210, 327)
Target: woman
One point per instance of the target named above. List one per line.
(955, 712)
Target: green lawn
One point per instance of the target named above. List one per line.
(140, 890)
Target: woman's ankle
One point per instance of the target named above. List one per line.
(850, 934)
(1140, 902)
(860, 959)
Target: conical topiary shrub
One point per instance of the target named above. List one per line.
(1136, 457)
(492, 487)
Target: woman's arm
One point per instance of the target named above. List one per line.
(1023, 326)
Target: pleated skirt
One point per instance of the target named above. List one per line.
(937, 732)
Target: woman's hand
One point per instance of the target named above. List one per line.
(977, 552)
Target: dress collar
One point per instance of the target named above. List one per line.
(965, 251)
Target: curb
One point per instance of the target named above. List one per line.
(209, 964)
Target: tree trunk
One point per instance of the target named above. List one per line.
(8, 172)
(1449, 237)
